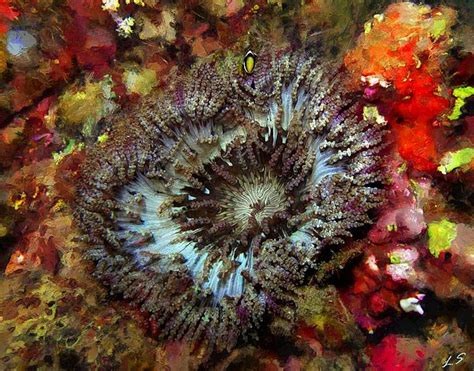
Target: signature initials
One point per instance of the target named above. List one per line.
(459, 358)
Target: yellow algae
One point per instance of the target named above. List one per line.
(19, 201)
(372, 113)
(83, 107)
(140, 81)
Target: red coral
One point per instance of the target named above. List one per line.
(377, 303)
(26, 88)
(46, 254)
(93, 46)
(374, 292)
(412, 114)
(98, 50)
(67, 174)
(91, 9)
(397, 353)
(7, 14)
(39, 138)
(61, 65)
(34, 252)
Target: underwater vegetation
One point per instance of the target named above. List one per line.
(230, 185)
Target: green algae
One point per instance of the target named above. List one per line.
(103, 138)
(439, 28)
(454, 160)
(71, 146)
(395, 259)
(461, 93)
(440, 236)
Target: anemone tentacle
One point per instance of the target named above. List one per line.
(214, 198)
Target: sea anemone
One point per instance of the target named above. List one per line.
(211, 202)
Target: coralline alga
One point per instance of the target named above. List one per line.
(210, 203)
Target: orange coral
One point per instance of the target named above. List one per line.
(404, 48)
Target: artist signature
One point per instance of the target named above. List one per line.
(454, 361)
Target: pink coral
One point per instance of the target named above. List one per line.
(398, 353)
(402, 219)
(400, 225)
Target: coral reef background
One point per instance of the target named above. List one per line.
(399, 294)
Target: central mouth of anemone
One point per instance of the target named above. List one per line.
(253, 202)
(237, 203)
(247, 205)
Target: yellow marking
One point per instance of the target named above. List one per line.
(249, 62)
